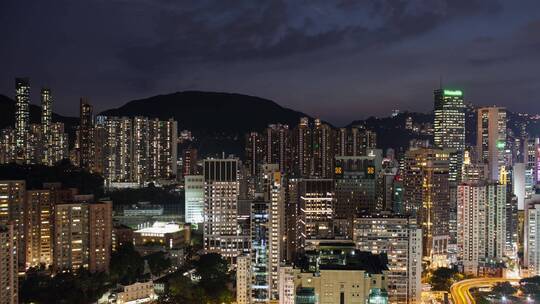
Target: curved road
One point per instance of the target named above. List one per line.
(461, 290)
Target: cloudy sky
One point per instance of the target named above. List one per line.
(340, 60)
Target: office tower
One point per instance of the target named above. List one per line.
(243, 279)
(194, 198)
(401, 239)
(277, 143)
(531, 155)
(254, 152)
(9, 284)
(323, 150)
(46, 124)
(70, 236)
(491, 138)
(481, 224)
(220, 231)
(189, 161)
(449, 126)
(426, 194)
(22, 118)
(163, 149)
(315, 217)
(385, 188)
(99, 236)
(260, 238)
(355, 141)
(302, 149)
(86, 137)
(12, 196)
(449, 123)
(518, 184)
(356, 184)
(39, 220)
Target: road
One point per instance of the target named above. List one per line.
(461, 290)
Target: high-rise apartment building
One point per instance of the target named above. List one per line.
(39, 221)
(354, 141)
(323, 150)
(163, 135)
(9, 284)
(277, 144)
(12, 197)
(99, 236)
(401, 239)
(82, 234)
(22, 119)
(481, 224)
(189, 161)
(491, 139)
(302, 149)
(46, 125)
(86, 136)
(243, 280)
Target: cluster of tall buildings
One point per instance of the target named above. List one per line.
(125, 151)
(52, 227)
(313, 189)
(28, 143)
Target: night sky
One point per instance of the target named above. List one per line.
(340, 60)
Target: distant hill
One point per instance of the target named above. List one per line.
(211, 112)
(219, 121)
(7, 116)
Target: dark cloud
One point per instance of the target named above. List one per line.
(247, 30)
(341, 59)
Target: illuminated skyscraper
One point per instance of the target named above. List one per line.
(22, 118)
(302, 149)
(9, 285)
(163, 136)
(426, 195)
(86, 136)
(278, 146)
(46, 124)
(260, 251)
(354, 142)
(323, 150)
(221, 233)
(491, 139)
(449, 127)
(449, 123)
(254, 152)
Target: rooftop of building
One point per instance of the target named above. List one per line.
(162, 228)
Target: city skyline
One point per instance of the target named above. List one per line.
(354, 59)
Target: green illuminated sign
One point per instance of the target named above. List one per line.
(453, 92)
(500, 145)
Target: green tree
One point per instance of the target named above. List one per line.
(158, 262)
(504, 289)
(442, 278)
(127, 265)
